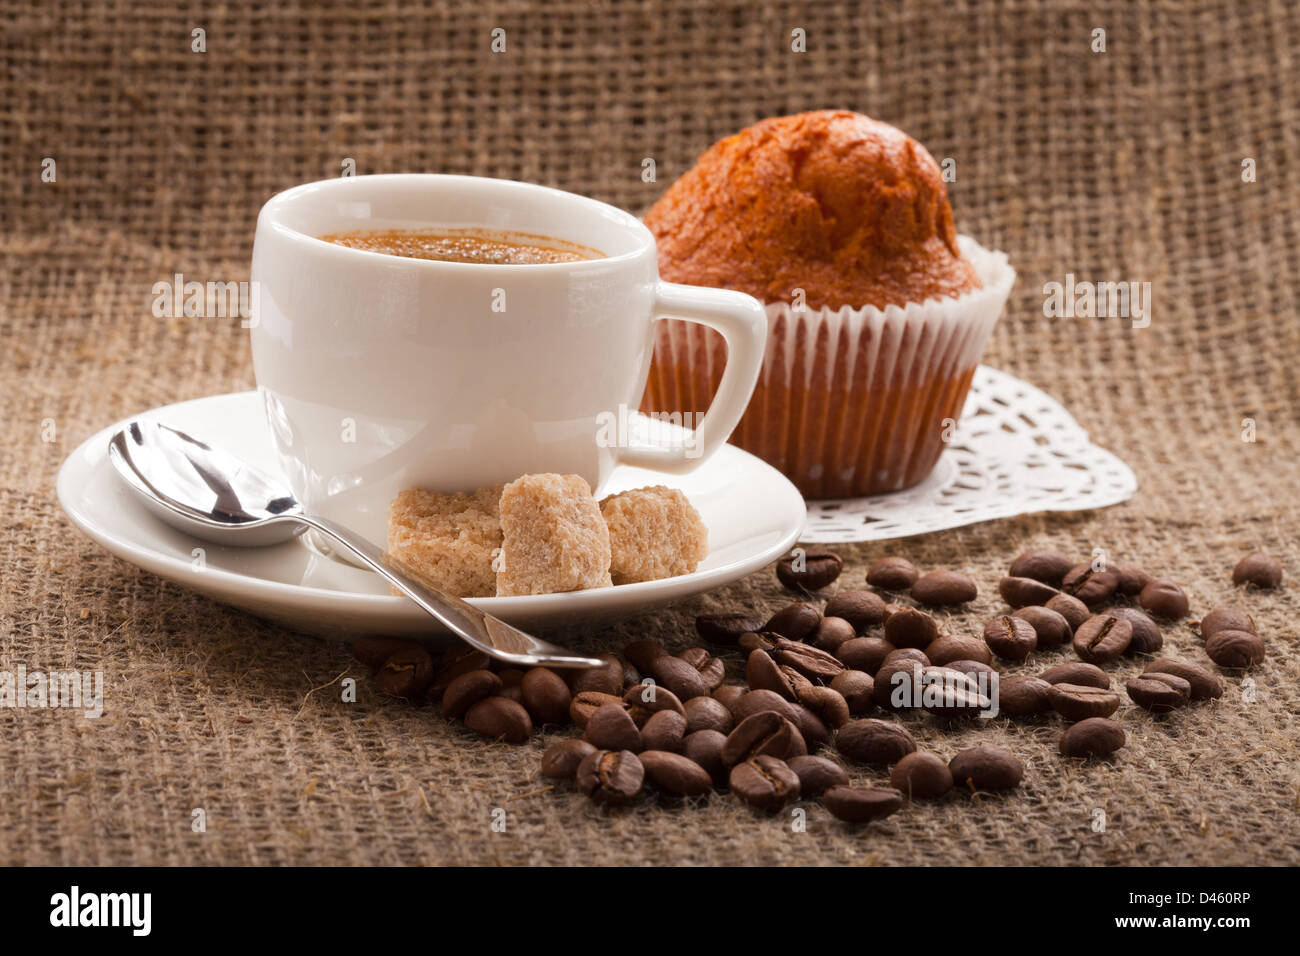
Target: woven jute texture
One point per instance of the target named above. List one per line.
(1118, 165)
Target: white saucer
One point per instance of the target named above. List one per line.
(753, 513)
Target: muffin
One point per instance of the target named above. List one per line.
(878, 311)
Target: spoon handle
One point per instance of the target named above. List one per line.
(490, 635)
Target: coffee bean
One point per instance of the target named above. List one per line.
(816, 774)
(811, 727)
(1235, 649)
(795, 622)
(986, 768)
(585, 703)
(764, 733)
(725, 629)
(665, 730)
(373, 649)
(1258, 569)
(1023, 696)
(501, 719)
(1089, 585)
(827, 703)
(512, 692)
(647, 699)
(1079, 701)
(921, 775)
(951, 695)
(562, 758)
(611, 728)
(705, 748)
(813, 663)
(728, 694)
(1164, 599)
(1011, 638)
(1025, 592)
(630, 675)
(707, 713)
(607, 679)
(891, 609)
(1077, 672)
(1049, 626)
(406, 672)
(467, 690)
(453, 662)
(1102, 638)
(874, 741)
(809, 571)
(759, 641)
(1147, 638)
(758, 701)
(764, 782)
(643, 653)
(911, 628)
(764, 673)
(897, 684)
(864, 653)
(1159, 693)
(1050, 567)
(711, 669)
(861, 804)
(1204, 685)
(943, 589)
(546, 696)
(1071, 608)
(678, 676)
(862, 609)
(611, 778)
(1132, 579)
(958, 647)
(1094, 737)
(856, 687)
(1226, 619)
(975, 669)
(892, 574)
(676, 774)
(831, 633)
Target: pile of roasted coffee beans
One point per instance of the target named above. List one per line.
(751, 711)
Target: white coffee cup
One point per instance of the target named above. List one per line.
(381, 373)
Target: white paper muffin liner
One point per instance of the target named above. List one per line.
(850, 402)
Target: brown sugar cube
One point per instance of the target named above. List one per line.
(447, 541)
(554, 538)
(653, 533)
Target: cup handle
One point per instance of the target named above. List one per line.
(743, 323)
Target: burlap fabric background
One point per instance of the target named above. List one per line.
(1117, 166)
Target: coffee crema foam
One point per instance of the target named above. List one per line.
(483, 246)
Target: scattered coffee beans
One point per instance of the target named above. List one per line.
(831, 633)
(1071, 608)
(1089, 585)
(711, 669)
(642, 654)
(676, 774)
(892, 574)
(707, 713)
(959, 647)
(943, 589)
(1089, 675)
(725, 629)
(562, 758)
(705, 748)
(864, 653)
(1226, 619)
(611, 727)
(856, 687)
(467, 690)
(1132, 579)
(678, 676)
(1258, 569)
(406, 672)
(1023, 696)
(921, 775)
(1024, 592)
(810, 570)
(586, 703)
(795, 621)
(861, 804)
(1147, 638)
(986, 768)
(1094, 737)
(603, 680)
(911, 628)
(501, 719)
(766, 732)
(546, 696)
(665, 730)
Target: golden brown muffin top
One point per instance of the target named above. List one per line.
(851, 210)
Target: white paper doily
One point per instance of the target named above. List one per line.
(1016, 450)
